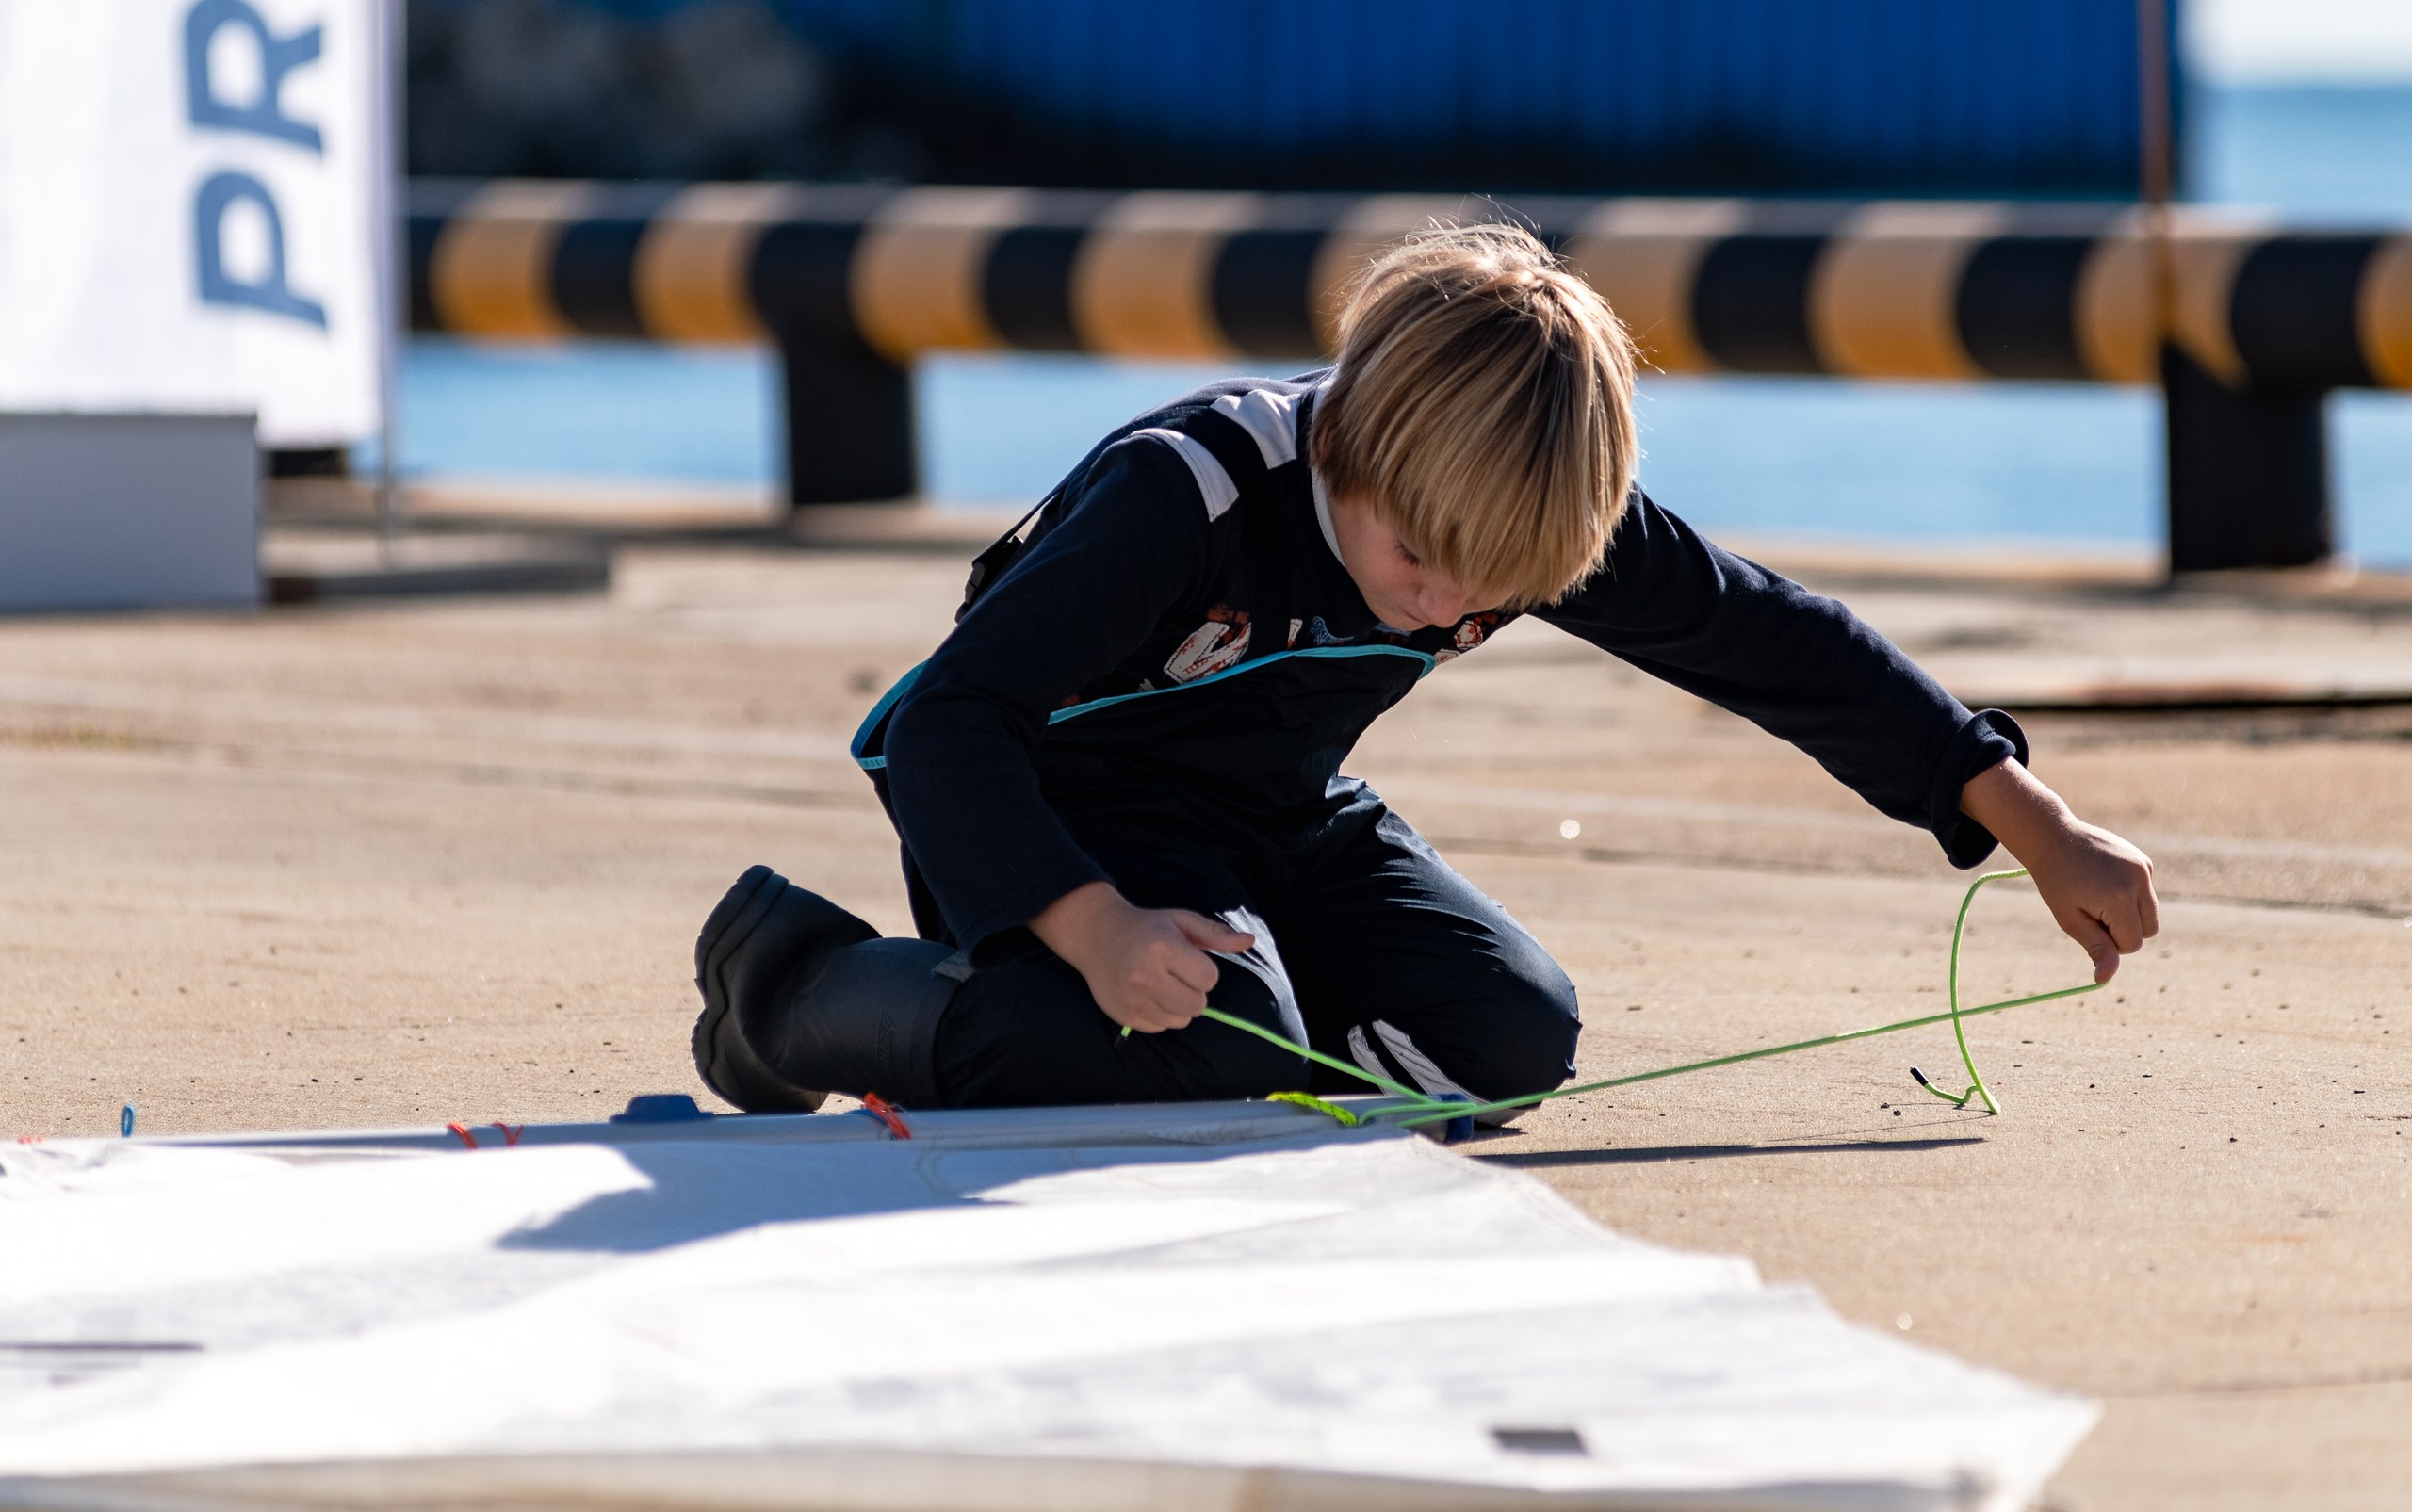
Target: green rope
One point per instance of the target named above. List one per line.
(1425, 1109)
(1975, 1084)
(1321, 1059)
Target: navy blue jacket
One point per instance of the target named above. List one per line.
(1119, 659)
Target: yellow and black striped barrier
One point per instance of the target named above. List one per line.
(853, 281)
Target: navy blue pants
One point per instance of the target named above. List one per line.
(1370, 947)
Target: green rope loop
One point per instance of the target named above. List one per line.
(1425, 1109)
(1977, 1087)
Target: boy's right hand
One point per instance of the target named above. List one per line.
(1146, 967)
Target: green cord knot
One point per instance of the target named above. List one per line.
(1314, 1104)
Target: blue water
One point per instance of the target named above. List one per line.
(609, 409)
(2042, 464)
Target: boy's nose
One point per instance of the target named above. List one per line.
(1446, 604)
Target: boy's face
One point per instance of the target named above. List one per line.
(1405, 593)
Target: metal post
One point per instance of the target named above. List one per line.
(2155, 170)
(2248, 472)
(850, 423)
(2248, 466)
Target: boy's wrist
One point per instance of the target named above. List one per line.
(2015, 804)
(1071, 923)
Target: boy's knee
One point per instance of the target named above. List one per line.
(1536, 1022)
(1525, 1039)
(1551, 1004)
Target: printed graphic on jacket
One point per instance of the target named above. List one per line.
(1217, 645)
(1471, 632)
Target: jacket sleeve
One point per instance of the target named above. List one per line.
(962, 746)
(1800, 666)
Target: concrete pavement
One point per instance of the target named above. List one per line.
(418, 862)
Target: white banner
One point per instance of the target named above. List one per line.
(195, 210)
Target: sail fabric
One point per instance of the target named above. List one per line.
(1237, 1286)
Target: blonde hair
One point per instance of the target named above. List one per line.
(1483, 407)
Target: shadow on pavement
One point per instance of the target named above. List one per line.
(1649, 1153)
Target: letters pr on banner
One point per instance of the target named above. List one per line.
(195, 205)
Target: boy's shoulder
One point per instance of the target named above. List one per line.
(1264, 417)
(1225, 394)
(1268, 408)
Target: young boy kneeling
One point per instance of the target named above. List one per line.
(1118, 781)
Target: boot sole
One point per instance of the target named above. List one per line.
(722, 1057)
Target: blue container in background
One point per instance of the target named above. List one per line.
(1919, 97)
(1981, 97)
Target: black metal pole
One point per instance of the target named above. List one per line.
(2248, 472)
(2248, 466)
(850, 423)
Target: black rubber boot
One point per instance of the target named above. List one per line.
(867, 1021)
(802, 998)
(763, 941)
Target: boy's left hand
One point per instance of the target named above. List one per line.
(2097, 885)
